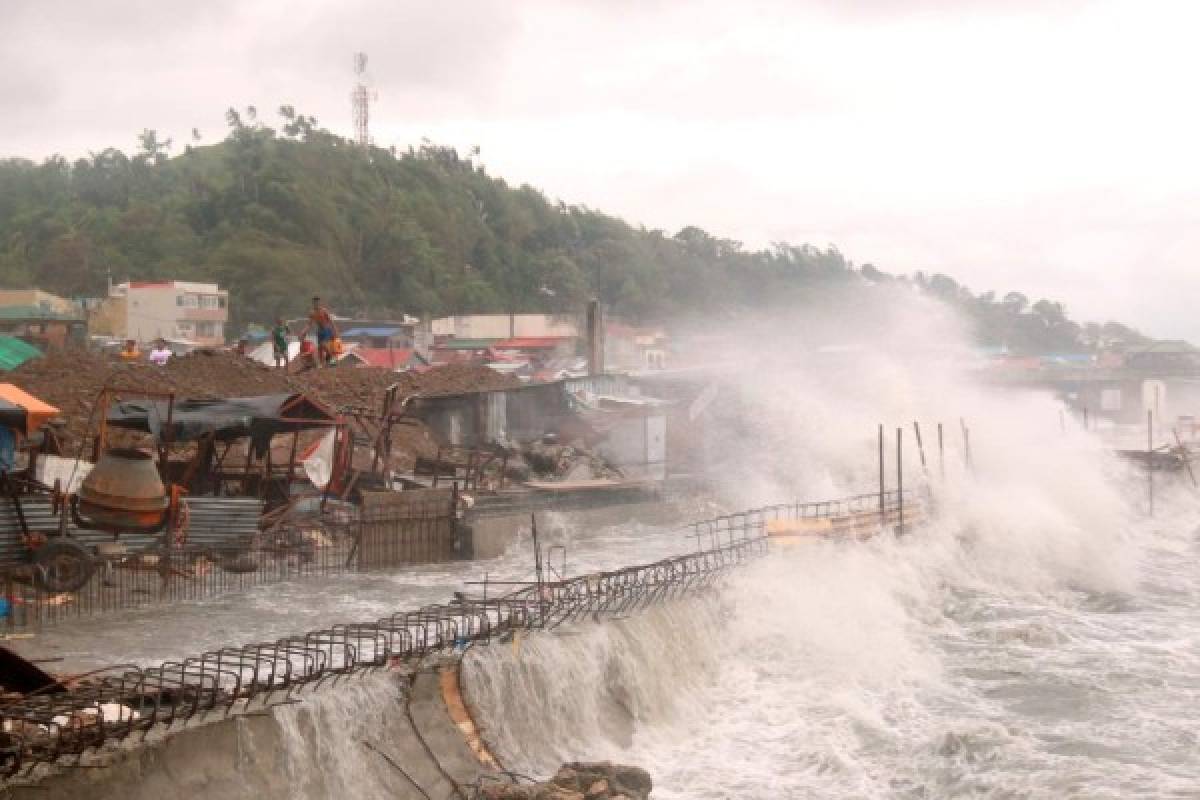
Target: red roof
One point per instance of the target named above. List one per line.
(383, 357)
(532, 343)
(151, 284)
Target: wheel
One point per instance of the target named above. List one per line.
(62, 565)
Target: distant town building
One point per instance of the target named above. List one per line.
(37, 299)
(631, 349)
(1168, 356)
(172, 310)
(44, 320)
(403, 333)
(506, 326)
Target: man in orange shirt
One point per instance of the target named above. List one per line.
(326, 330)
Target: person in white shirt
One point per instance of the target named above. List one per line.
(161, 354)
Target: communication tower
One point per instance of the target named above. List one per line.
(360, 100)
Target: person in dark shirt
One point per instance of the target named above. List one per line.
(279, 339)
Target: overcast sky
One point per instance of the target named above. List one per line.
(1045, 146)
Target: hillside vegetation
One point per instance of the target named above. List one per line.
(277, 215)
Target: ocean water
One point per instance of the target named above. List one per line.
(937, 665)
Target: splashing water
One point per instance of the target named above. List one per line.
(1039, 639)
(893, 669)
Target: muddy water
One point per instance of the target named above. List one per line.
(154, 634)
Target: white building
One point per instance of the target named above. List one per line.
(505, 326)
(149, 310)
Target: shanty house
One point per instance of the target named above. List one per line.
(385, 357)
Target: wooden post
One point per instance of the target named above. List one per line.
(900, 480)
(291, 473)
(920, 445)
(941, 453)
(1150, 460)
(882, 506)
(1086, 426)
(1187, 460)
(966, 435)
(537, 567)
(164, 439)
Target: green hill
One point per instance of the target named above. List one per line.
(279, 215)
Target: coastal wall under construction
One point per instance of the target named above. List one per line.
(363, 739)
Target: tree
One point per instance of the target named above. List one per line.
(275, 218)
(153, 150)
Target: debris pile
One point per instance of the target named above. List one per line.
(598, 781)
(549, 461)
(73, 379)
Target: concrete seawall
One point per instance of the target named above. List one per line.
(337, 712)
(331, 744)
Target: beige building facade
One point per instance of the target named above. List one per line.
(145, 311)
(505, 326)
(36, 298)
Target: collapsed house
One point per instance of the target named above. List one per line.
(185, 498)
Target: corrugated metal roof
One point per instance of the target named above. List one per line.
(1163, 346)
(532, 342)
(31, 312)
(467, 344)
(371, 332)
(15, 352)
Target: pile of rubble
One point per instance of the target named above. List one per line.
(599, 781)
(549, 461)
(73, 379)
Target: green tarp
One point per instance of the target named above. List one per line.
(15, 352)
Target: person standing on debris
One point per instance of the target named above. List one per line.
(161, 354)
(326, 331)
(279, 339)
(130, 352)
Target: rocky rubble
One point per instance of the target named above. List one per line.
(547, 460)
(579, 781)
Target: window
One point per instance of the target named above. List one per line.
(179, 300)
(210, 330)
(221, 301)
(190, 300)
(184, 329)
(208, 301)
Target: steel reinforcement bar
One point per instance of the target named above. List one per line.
(124, 701)
(127, 701)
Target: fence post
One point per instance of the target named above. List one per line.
(900, 480)
(920, 446)
(537, 566)
(941, 453)
(882, 507)
(1150, 460)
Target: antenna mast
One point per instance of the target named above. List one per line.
(360, 101)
